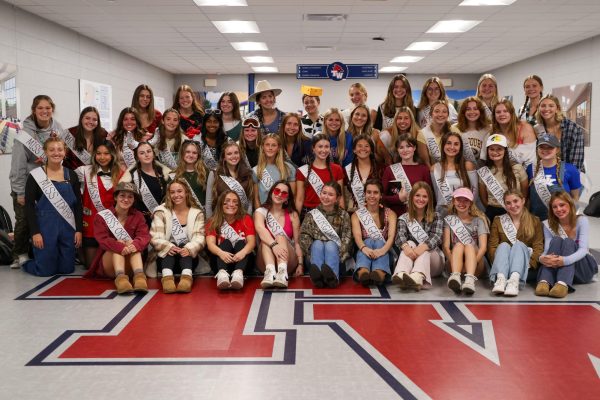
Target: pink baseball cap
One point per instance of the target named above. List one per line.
(463, 192)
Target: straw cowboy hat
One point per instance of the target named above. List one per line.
(263, 86)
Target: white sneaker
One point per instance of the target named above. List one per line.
(223, 279)
(454, 282)
(468, 286)
(237, 279)
(281, 280)
(15, 264)
(414, 280)
(512, 288)
(23, 258)
(268, 279)
(500, 285)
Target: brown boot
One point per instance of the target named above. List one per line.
(185, 284)
(542, 289)
(378, 277)
(168, 284)
(362, 275)
(139, 282)
(122, 284)
(558, 291)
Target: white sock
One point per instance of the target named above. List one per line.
(515, 276)
(282, 266)
(23, 258)
(167, 272)
(270, 268)
(562, 283)
(186, 271)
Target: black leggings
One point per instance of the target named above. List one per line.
(170, 262)
(227, 246)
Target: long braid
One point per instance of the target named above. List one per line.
(328, 162)
(525, 108)
(558, 170)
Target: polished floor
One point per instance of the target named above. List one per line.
(70, 338)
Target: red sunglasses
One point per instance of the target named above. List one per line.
(281, 193)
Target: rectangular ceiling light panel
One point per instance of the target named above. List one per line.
(221, 3)
(236, 26)
(249, 46)
(453, 26)
(425, 46)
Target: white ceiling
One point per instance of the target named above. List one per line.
(178, 36)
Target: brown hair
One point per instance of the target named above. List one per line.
(218, 217)
(135, 102)
(482, 122)
(235, 102)
(429, 210)
(526, 231)
(388, 107)
(552, 219)
(37, 100)
(189, 200)
(196, 106)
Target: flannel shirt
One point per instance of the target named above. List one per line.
(571, 143)
(435, 229)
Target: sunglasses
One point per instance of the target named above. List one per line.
(211, 111)
(281, 193)
(251, 123)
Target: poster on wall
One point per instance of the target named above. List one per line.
(159, 103)
(9, 120)
(576, 103)
(213, 98)
(97, 95)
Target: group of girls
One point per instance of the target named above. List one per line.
(411, 197)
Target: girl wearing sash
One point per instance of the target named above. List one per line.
(499, 175)
(358, 97)
(177, 236)
(550, 175)
(232, 174)
(474, 127)
(326, 236)
(128, 133)
(452, 172)
(360, 124)
(465, 241)
(230, 238)
(28, 154)
(431, 136)
(123, 236)
(433, 90)
(150, 177)
(362, 168)
(86, 136)
(404, 124)
(399, 94)
(419, 235)
(277, 225)
(310, 178)
(487, 92)
(398, 178)
(297, 147)
(520, 135)
(269, 116)
(53, 209)
(98, 182)
(271, 168)
(229, 105)
(250, 141)
(566, 258)
(374, 229)
(191, 168)
(212, 138)
(339, 139)
(533, 87)
(312, 121)
(143, 102)
(190, 111)
(515, 245)
(170, 139)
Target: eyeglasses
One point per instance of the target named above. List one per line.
(211, 111)
(251, 123)
(281, 193)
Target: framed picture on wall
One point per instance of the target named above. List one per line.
(97, 95)
(9, 116)
(576, 103)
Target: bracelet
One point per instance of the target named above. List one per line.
(273, 244)
(363, 246)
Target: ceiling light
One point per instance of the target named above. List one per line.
(265, 69)
(319, 48)
(406, 59)
(392, 69)
(453, 26)
(249, 46)
(487, 2)
(228, 3)
(325, 17)
(258, 59)
(236, 26)
(424, 46)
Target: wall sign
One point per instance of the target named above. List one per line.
(337, 71)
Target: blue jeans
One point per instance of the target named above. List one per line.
(325, 253)
(509, 259)
(382, 263)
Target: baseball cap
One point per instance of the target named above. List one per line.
(496, 139)
(463, 192)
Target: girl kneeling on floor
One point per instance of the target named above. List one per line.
(177, 235)
(277, 224)
(566, 258)
(123, 235)
(374, 229)
(230, 237)
(419, 235)
(465, 241)
(326, 235)
(515, 244)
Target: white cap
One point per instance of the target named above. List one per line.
(498, 139)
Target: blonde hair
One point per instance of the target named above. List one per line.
(491, 78)
(341, 134)
(367, 129)
(429, 210)
(395, 132)
(189, 200)
(279, 161)
(559, 113)
(199, 167)
(360, 87)
(552, 219)
(474, 211)
(527, 225)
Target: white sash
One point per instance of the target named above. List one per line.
(31, 143)
(166, 157)
(236, 187)
(386, 121)
(492, 184)
(561, 230)
(400, 175)
(367, 221)
(434, 148)
(443, 186)
(468, 153)
(194, 195)
(177, 231)
(357, 187)
(424, 116)
(509, 228)
(209, 160)
(415, 229)
(325, 227)
(147, 196)
(272, 224)
(314, 179)
(92, 187)
(133, 144)
(128, 157)
(115, 226)
(83, 155)
(266, 179)
(229, 233)
(53, 195)
(459, 229)
(541, 187)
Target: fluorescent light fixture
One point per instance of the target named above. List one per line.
(236, 26)
(453, 26)
(392, 69)
(218, 3)
(265, 69)
(425, 46)
(319, 48)
(258, 59)
(487, 2)
(406, 59)
(249, 46)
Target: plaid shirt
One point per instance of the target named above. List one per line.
(571, 141)
(435, 229)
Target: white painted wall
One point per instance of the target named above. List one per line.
(51, 59)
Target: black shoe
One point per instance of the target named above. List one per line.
(331, 279)
(315, 276)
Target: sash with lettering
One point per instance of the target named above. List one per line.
(207, 156)
(442, 186)
(177, 231)
(468, 153)
(147, 196)
(415, 229)
(367, 221)
(133, 144)
(236, 187)
(91, 182)
(509, 228)
(401, 176)
(229, 233)
(434, 148)
(272, 225)
(166, 157)
(357, 186)
(196, 199)
(83, 155)
(53, 195)
(325, 227)
(31, 143)
(561, 230)
(314, 179)
(459, 229)
(115, 226)
(541, 187)
(266, 179)
(492, 184)
(128, 157)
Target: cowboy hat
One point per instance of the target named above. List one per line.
(263, 86)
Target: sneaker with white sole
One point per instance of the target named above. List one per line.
(454, 282)
(398, 279)
(269, 279)
(500, 285)
(15, 264)
(223, 279)
(414, 280)
(237, 279)
(468, 286)
(22, 258)
(281, 279)
(512, 288)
